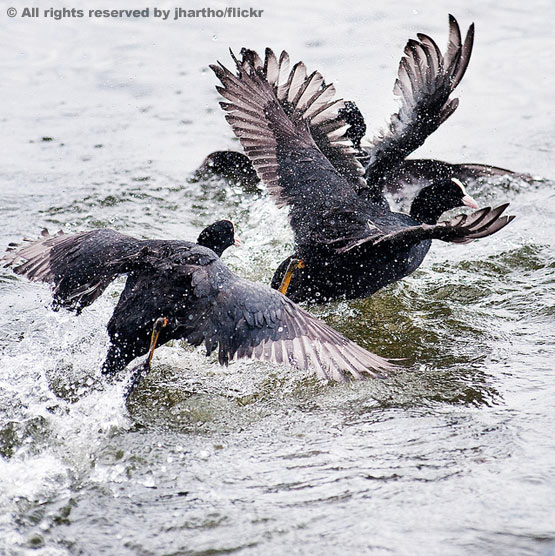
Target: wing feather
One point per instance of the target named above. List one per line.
(78, 266)
(305, 98)
(275, 330)
(285, 146)
(425, 81)
(459, 229)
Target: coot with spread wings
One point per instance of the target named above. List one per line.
(182, 290)
(348, 242)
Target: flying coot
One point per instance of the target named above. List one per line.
(179, 289)
(350, 244)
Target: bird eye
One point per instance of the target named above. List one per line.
(460, 184)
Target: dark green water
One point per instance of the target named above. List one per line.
(453, 455)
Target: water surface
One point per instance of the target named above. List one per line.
(103, 122)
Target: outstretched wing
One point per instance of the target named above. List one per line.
(336, 126)
(412, 175)
(425, 81)
(208, 304)
(247, 320)
(459, 229)
(280, 144)
(78, 266)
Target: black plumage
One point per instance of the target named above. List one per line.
(230, 165)
(198, 297)
(351, 243)
(426, 79)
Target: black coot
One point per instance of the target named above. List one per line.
(349, 241)
(178, 289)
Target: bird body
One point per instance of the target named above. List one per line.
(199, 299)
(328, 275)
(349, 240)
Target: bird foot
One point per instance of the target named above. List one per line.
(294, 264)
(139, 373)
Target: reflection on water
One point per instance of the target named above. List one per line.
(451, 455)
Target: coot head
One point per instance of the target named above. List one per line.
(353, 116)
(432, 201)
(218, 236)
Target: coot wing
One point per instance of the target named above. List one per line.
(426, 79)
(336, 126)
(412, 175)
(280, 144)
(459, 229)
(78, 266)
